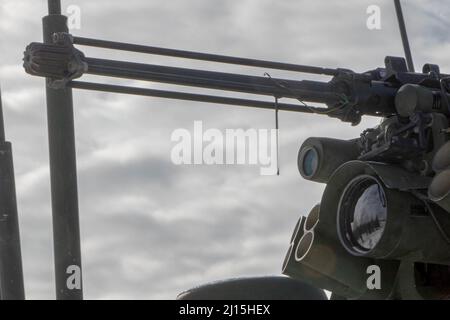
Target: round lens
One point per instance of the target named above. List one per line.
(362, 215)
(310, 162)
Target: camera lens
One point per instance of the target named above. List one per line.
(362, 215)
(310, 162)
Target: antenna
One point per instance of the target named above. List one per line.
(404, 34)
(2, 125)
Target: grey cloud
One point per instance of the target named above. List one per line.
(151, 229)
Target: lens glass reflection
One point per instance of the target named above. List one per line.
(369, 217)
(363, 214)
(310, 162)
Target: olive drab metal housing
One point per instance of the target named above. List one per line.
(386, 206)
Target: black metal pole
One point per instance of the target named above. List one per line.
(404, 34)
(2, 123)
(63, 173)
(54, 6)
(11, 273)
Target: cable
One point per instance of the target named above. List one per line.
(341, 105)
(277, 135)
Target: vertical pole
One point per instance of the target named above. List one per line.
(404, 34)
(63, 175)
(2, 123)
(54, 7)
(11, 274)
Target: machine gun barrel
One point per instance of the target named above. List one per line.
(311, 91)
(194, 97)
(62, 63)
(203, 56)
(348, 95)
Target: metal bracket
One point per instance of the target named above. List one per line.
(60, 62)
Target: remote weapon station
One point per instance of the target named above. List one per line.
(386, 206)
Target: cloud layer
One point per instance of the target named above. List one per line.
(151, 229)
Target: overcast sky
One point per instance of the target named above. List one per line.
(151, 229)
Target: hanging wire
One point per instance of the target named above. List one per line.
(277, 129)
(277, 126)
(343, 103)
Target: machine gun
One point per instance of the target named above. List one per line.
(415, 106)
(387, 200)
